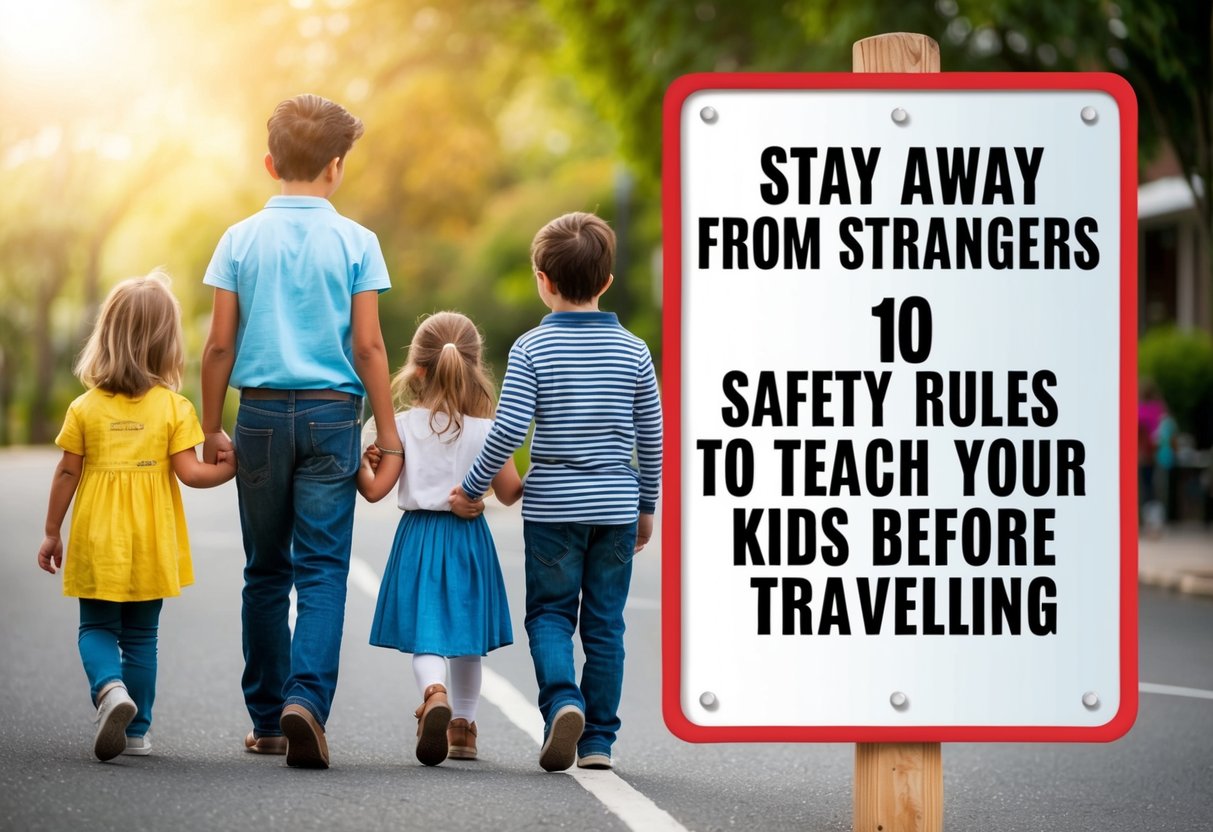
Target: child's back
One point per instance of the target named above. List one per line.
(437, 461)
(125, 444)
(591, 389)
(442, 594)
(295, 328)
(295, 267)
(120, 548)
(589, 385)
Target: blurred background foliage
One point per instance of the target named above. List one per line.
(1180, 363)
(132, 134)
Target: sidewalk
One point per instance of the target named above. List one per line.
(1181, 559)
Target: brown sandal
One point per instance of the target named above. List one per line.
(461, 737)
(264, 745)
(433, 717)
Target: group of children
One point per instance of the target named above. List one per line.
(295, 328)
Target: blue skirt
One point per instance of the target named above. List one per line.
(442, 591)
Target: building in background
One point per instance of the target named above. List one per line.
(1172, 287)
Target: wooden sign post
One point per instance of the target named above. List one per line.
(898, 786)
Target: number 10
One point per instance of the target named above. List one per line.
(914, 318)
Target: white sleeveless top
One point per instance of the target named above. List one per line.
(433, 463)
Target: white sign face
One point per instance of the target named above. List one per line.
(903, 412)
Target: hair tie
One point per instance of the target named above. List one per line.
(449, 345)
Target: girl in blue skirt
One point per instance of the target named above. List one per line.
(442, 595)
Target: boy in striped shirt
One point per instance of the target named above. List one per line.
(589, 386)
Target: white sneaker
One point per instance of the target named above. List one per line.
(114, 713)
(138, 746)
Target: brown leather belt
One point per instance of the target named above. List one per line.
(271, 393)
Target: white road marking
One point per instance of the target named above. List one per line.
(631, 807)
(1172, 690)
(364, 577)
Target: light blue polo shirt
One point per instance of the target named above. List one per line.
(296, 266)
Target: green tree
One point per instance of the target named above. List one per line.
(138, 148)
(1181, 364)
(627, 53)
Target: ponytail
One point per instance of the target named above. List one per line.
(449, 385)
(445, 373)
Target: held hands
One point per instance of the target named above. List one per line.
(367, 469)
(214, 443)
(371, 457)
(50, 554)
(461, 506)
(377, 475)
(226, 460)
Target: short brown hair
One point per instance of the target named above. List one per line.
(576, 251)
(306, 133)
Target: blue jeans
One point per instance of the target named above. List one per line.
(296, 461)
(572, 567)
(118, 644)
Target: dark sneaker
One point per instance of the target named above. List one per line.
(560, 746)
(306, 746)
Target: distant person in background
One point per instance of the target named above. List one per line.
(125, 444)
(1164, 464)
(1151, 414)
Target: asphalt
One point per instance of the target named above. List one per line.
(1178, 558)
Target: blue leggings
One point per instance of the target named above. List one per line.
(118, 644)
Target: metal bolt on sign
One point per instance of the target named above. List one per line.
(899, 700)
(709, 115)
(708, 700)
(1090, 700)
(1089, 115)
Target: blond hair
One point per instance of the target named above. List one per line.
(445, 373)
(137, 342)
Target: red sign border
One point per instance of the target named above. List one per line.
(671, 540)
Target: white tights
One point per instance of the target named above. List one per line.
(464, 688)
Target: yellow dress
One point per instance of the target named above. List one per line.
(128, 539)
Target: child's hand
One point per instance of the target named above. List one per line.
(371, 456)
(644, 530)
(461, 506)
(50, 554)
(226, 461)
(366, 474)
(376, 476)
(215, 443)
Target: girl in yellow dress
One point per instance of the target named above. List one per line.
(125, 444)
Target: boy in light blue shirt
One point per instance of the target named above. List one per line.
(295, 328)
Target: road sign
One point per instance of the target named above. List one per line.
(900, 381)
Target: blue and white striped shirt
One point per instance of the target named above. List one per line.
(590, 387)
